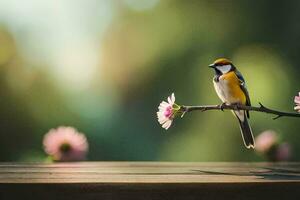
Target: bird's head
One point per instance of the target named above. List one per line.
(222, 66)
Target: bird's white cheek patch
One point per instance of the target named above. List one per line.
(224, 69)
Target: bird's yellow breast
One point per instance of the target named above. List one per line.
(232, 84)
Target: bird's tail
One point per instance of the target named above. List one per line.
(245, 129)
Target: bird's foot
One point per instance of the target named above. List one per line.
(236, 106)
(222, 106)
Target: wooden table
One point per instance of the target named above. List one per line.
(149, 180)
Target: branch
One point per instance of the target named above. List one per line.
(262, 108)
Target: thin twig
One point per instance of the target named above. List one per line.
(262, 108)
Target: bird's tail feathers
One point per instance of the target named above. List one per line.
(245, 129)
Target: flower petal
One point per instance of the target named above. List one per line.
(163, 120)
(173, 98)
(167, 124)
(170, 100)
(297, 100)
(163, 103)
(160, 114)
(297, 108)
(162, 107)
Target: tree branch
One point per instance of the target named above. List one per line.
(262, 108)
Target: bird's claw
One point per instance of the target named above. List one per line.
(236, 106)
(222, 106)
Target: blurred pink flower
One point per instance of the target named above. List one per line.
(297, 102)
(265, 141)
(166, 112)
(65, 144)
(283, 152)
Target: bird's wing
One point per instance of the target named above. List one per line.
(244, 88)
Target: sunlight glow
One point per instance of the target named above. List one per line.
(76, 65)
(141, 5)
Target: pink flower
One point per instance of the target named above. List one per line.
(65, 144)
(283, 152)
(265, 141)
(167, 112)
(268, 144)
(297, 102)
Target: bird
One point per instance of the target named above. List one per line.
(231, 88)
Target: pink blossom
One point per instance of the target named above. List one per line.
(167, 111)
(283, 152)
(265, 141)
(65, 144)
(297, 102)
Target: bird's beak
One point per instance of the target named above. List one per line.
(212, 65)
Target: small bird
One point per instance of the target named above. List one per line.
(231, 89)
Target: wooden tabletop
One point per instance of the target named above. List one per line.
(129, 180)
(149, 172)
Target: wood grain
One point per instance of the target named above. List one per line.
(149, 180)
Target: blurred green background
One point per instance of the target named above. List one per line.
(104, 66)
